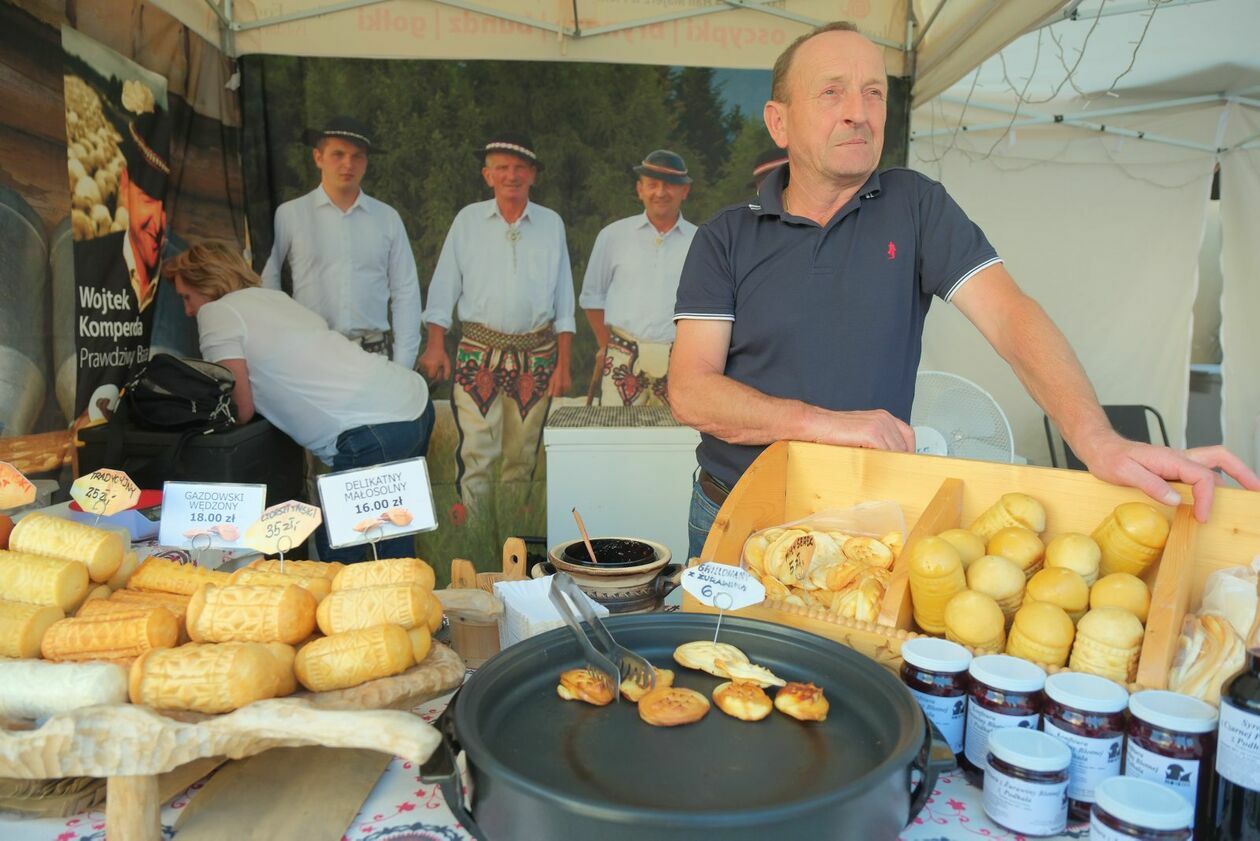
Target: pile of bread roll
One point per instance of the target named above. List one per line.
(840, 572)
(181, 637)
(1076, 601)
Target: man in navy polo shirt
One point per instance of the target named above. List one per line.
(800, 316)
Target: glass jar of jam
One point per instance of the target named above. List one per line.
(1005, 692)
(935, 672)
(1025, 783)
(1129, 809)
(1172, 741)
(1086, 713)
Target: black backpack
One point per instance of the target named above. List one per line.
(174, 394)
(190, 397)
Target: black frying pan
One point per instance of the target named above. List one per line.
(547, 768)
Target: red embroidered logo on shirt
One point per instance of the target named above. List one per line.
(892, 250)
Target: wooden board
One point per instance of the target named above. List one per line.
(791, 480)
(941, 514)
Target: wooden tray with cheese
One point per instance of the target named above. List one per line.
(791, 480)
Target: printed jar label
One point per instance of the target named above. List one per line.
(1238, 751)
(1180, 775)
(1027, 808)
(981, 722)
(1093, 760)
(948, 714)
(1099, 831)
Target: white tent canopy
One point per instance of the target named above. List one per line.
(1086, 151)
(937, 41)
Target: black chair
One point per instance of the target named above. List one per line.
(1133, 422)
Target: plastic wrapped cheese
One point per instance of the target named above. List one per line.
(1231, 592)
(36, 689)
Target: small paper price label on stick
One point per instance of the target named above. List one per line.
(15, 489)
(282, 527)
(723, 586)
(104, 492)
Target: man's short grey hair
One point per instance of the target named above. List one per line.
(783, 64)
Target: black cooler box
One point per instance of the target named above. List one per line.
(254, 454)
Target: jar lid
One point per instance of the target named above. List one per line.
(935, 655)
(1143, 803)
(1089, 693)
(1029, 749)
(1173, 711)
(1010, 674)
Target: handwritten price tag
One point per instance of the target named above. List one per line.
(282, 527)
(15, 489)
(723, 586)
(211, 516)
(105, 492)
(378, 502)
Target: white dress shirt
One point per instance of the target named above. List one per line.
(633, 276)
(511, 278)
(311, 382)
(353, 268)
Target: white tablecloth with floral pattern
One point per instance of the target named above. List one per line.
(402, 808)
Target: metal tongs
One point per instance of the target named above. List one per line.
(607, 660)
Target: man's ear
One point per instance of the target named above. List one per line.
(775, 117)
(316, 155)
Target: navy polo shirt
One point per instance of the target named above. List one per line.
(831, 315)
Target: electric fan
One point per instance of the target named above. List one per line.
(953, 416)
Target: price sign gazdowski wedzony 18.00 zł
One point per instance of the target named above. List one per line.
(193, 513)
(283, 527)
(378, 502)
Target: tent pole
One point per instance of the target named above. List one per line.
(931, 20)
(229, 31)
(1098, 127)
(1161, 105)
(1079, 120)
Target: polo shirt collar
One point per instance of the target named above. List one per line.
(770, 196)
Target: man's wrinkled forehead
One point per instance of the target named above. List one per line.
(832, 56)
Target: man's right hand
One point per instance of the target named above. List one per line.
(435, 364)
(875, 429)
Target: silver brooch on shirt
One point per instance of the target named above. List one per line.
(513, 236)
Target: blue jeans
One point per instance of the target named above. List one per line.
(372, 444)
(699, 520)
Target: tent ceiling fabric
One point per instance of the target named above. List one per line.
(966, 32)
(1126, 70)
(705, 33)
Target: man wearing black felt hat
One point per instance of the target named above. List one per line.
(348, 253)
(766, 163)
(504, 269)
(631, 282)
